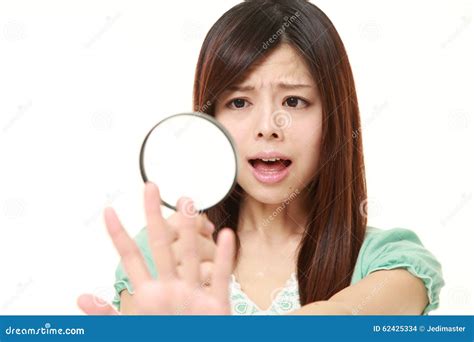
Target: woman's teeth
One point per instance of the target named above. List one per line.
(270, 161)
(270, 170)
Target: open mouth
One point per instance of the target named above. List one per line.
(270, 170)
(270, 165)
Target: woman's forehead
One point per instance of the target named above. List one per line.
(275, 80)
(281, 66)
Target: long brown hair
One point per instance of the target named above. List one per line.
(336, 224)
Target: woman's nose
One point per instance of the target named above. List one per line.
(272, 124)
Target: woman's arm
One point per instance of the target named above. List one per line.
(384, 292)
(126, 303)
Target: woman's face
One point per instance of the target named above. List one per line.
(275, 110)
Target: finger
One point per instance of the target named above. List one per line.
(173, 224)
(189, 233)
(132, 259)
(173, 232)
(206, 227)
(205, 272)
(160, 238)
(223, 265)
(206, 249)
(92, 305)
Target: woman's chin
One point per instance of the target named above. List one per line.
(269, 196)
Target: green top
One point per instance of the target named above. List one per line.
(381, 249)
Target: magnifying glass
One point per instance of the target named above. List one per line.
(192, 155)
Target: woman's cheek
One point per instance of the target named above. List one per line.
(308, 151)
(230, 124)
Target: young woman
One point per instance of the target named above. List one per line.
(275, 73)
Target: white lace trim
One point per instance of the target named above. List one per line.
(285, 299)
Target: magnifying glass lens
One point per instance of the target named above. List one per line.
(192, 155)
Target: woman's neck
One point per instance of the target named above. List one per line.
(273, 223)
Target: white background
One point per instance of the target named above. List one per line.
(81, 82)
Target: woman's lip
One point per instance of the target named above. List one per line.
(269, 155)
(270, 177)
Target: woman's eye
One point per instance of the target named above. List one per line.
(237, 103)
(293, 101)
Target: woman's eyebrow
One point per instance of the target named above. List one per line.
(293, 85)
(282, 85)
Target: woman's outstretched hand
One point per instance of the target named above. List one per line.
(173, 292)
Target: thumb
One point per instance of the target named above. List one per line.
(92, 305)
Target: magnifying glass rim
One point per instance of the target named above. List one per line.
(211, 120)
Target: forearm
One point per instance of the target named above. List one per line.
(323, 307)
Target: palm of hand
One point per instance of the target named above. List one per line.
(171, 294)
